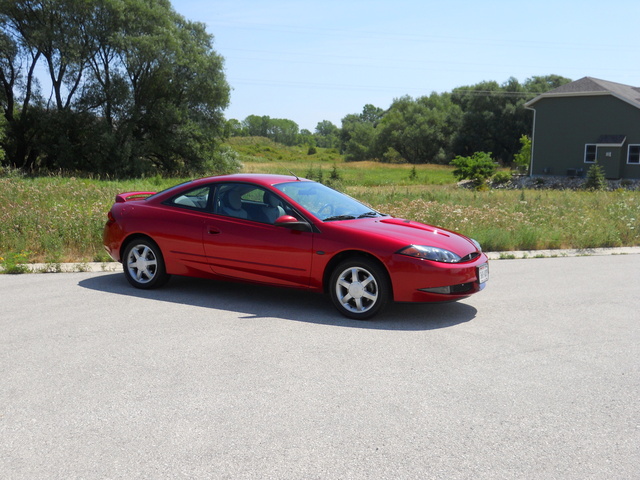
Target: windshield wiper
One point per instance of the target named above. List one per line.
(370, 214)
(339, 217)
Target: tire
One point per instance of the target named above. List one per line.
(359, 288)
(143, 264)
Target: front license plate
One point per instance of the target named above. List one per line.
(483, 273)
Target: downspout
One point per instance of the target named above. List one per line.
(533, 139)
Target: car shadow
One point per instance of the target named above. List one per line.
(256, 301)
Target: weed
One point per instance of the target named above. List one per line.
(14, 263)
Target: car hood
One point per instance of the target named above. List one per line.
(408, 232)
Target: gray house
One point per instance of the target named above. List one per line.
(584, 122)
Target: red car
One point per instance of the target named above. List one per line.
(290, 232)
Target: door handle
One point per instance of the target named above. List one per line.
(213, 230)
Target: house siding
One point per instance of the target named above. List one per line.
(564, 125)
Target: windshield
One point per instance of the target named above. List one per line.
(324, 202)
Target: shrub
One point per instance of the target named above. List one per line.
(502, 178)
(224, 160)
(317, 175)
(478, 168)
(335, 174)
(595, 178)
(522, 159)
(392, 156)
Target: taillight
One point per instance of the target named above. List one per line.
(110, 218)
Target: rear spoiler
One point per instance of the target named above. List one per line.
(125, 197)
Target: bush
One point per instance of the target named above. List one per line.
(522, 159)
(224, 160)
(335, 174)
(478, 168)
(595, 178)
(392, 156)
(502, 178)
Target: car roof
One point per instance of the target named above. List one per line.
(262, 179)
(265, 179)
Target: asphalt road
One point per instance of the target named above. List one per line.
(536, 377)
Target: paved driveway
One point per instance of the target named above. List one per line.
(536, 377)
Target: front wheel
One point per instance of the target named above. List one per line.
(359, 288)
(143, 264)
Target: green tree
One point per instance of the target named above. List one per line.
(234, 128)
(307, 139)
(595, 178)
(541, 84)
(279, 130)
(392, 156)
(139, 86)
(494, 117)
(522, 159)
(256, 126)
(358, 134)
(487, 109)
(359, 147)
(371, 114)
(420, 130)
(283, 131)
(478, 167)
(327, 135)
(178, 90)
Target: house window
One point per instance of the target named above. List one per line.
(634, 154)
(590, 153)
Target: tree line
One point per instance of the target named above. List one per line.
(130, 87)
(486, 117)
(134, 88)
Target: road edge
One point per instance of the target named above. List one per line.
(509, 255)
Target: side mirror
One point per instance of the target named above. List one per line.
(292, 223)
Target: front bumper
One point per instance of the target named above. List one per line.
(416, 280)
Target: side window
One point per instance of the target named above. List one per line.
(590, 151)
(250, 202)
(228, 200)
(197, 198)
(634, 154)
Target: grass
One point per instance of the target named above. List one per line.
(519, 220)
(56, 219)
(60, 219)
(260, 155)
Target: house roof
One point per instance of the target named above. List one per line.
(613, 140)
(593, 86)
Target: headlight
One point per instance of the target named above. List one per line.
(430, 253)
(477, 244)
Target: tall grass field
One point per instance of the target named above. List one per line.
(58, 219)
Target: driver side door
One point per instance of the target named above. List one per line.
(240, 241)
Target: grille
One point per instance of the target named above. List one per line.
(463, 287)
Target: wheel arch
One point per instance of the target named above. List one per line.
(349, 254)
(133, 237)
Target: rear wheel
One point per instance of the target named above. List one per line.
(143, 264)
(359, 288)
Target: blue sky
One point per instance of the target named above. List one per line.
(309, 61)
